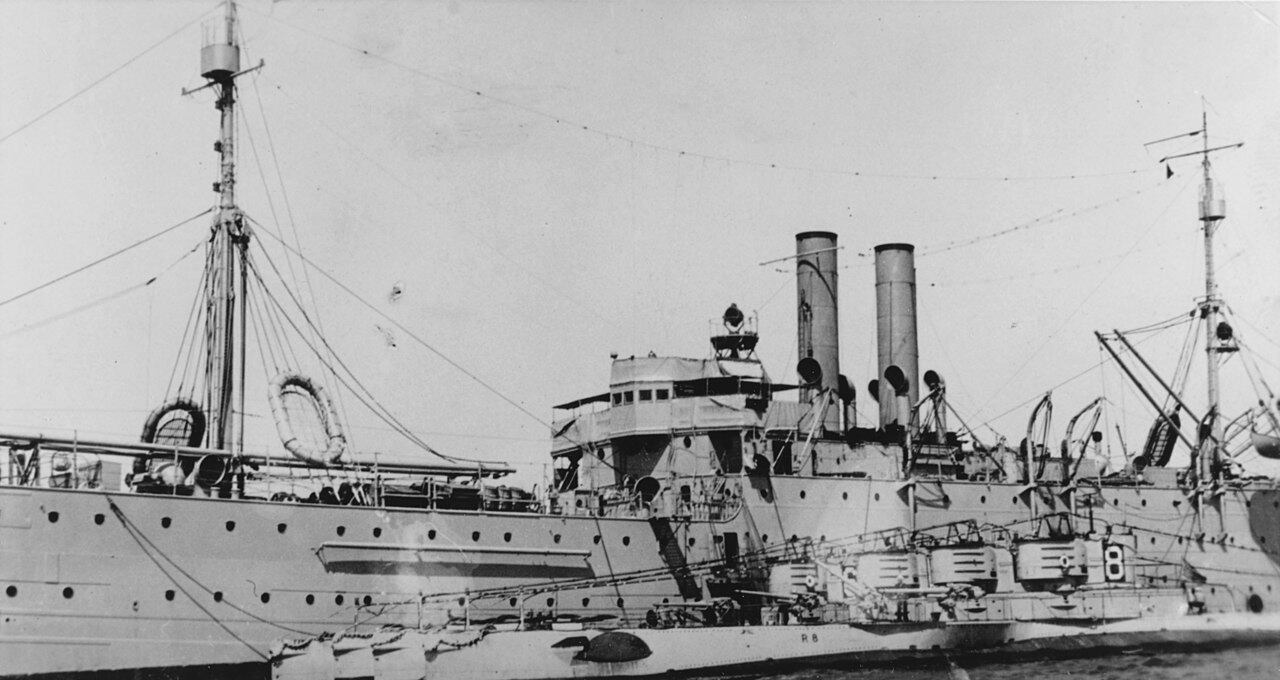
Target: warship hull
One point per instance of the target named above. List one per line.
(98, 581)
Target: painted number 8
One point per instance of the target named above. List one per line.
(1113, 563)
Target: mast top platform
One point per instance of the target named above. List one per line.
(220, 56)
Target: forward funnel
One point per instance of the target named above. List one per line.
(818, 321)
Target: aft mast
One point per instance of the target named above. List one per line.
(1219, 338)
(1213, 210)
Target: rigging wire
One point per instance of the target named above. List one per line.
(110, 73)
(1055, 216)
(138, 534)
(468, 233)
(104, 258)
(371, 402)
(1034, 274)
(1040, 393)
(1102, 281)
(672, 150)
(188, 331)
(404, 329)
(138, 538)
(100, 301)
(58, 317)
(288, 206)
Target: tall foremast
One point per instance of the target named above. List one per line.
(224, 294)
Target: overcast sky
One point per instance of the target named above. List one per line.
(617, 180)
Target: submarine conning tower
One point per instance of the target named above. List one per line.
(898, 353)
(817, 324)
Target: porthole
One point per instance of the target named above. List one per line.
(764, 538)
(1153, 540)
(341, 530)
(1213, 591)
(338, 599)
(556, 538)
(12, 591)
(1015, 500)
(53, 516)
(377, 532)
(506, 538)
(99, 519)
(1255, 603)
(217, 596)
(688, 442)
(266, 597)
(169, 595)
(310, 599)
(621, 603)
(551, 601)
(282, 527)
(1115, 501)
(165, 522)
(231, 525)
(68, 592)
(844, 496)
(511, 602)
(692, 540)
(475, 535)
(368, 600)
(626, 540)
(876, 497)
(1144, 502)
(982, 499)
(586, 601)
(431, 535)
(802, 493)
(595, 539)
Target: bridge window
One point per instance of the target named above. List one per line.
(628, 397)
(617, 398)
(646, 395)
(662, 395)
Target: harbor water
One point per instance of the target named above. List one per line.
(1230, 664)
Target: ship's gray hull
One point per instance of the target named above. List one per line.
(94, 581)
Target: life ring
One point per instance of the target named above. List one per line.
(336, 443)
(810, 582)
(198, 421)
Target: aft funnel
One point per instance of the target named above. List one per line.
(896, 330)
(817, 320)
